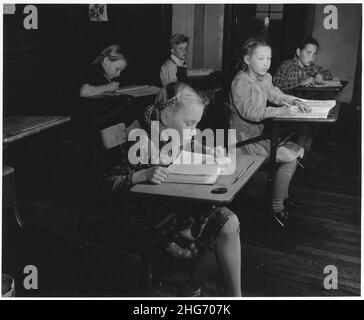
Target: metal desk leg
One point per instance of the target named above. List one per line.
(272, 163)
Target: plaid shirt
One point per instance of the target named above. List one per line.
(290, 74)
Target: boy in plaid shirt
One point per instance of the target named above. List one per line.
(301, 70)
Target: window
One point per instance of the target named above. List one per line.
(272, 11)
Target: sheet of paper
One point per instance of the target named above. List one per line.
(320, 109)
(138, 91)
(328, 83)
(199, 72)
(187, 157)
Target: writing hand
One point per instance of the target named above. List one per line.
(156, 175)
(112, 86)
(307, 82)
(302, 107)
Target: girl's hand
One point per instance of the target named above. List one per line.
(286, 110)
(319, 78)
(307, 82)
(112, 86)
(156, 175)
(217, 152)
(302, 107)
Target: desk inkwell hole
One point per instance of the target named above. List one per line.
(219, 190)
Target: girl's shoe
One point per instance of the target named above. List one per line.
(183, 292)
(281, 217)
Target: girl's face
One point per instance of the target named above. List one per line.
(259, 61)
(113, 68)
(180, 51)
(307, 55)
(182, 118)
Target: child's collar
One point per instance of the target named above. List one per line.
(178, 61)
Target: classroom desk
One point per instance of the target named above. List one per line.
(318, 93)
(19, 127)
(104, 109)
(202, 193)
(297, 123)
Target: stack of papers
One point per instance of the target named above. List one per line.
(320, 109)
(138, 91)
(199, 72)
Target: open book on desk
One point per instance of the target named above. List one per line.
(319, 109)
(197, 168)
(138, 90)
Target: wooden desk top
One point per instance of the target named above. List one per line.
(202, 193)
(331, 118)
(318, 88)
(19, 127)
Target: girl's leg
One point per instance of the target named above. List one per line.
(228, 252)
(227, 256)
(282, 180)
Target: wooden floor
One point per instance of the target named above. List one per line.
(324, 230)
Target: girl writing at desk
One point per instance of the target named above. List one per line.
(98, 77)
(210, 236)
(250, 90)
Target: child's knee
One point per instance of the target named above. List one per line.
(228, 221)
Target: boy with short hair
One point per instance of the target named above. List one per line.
(175, 68)
(301, 70)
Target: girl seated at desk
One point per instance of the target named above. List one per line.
(250, 90)
(209, 235)
(99, 76)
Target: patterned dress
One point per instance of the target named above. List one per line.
(250, 98)
(194, 226)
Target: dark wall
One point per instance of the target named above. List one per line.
(39, 64)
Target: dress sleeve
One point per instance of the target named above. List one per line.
(168, 73)
(119, 171)
(276, 96)
(249, 101)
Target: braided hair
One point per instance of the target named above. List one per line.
(113, 52)
(247, 50)
(172, 94)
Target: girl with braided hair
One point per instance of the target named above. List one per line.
(209, 236)
(99, 76)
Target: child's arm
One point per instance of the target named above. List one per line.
(87, 90)
(119, 180)
(250, 104)
(276, 96)
(168, 73)
(322, 74)
(284, 78)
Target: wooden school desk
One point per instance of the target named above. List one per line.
(246, 166)
(296, 124)
(19, 127)
(106, 107)
(318, 93)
